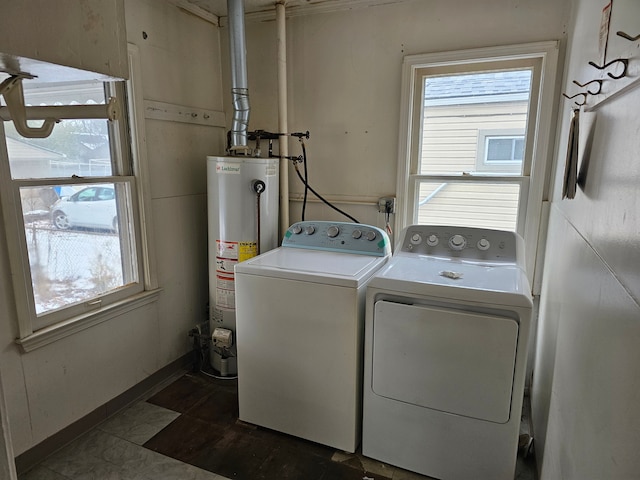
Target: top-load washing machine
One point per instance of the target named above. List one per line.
(446, 334)
(299, 323)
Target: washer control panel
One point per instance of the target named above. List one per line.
(460, 242)
(338, 237)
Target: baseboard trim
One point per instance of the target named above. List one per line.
(158, 380)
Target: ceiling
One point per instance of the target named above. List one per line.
(219, 7)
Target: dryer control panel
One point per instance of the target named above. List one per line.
(338, 237)
(461, 242)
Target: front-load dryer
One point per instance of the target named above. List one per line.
(299, 322)
(446, 334)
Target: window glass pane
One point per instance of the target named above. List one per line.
(518, 149)
(470, 204)
(458, 107)
(79, 242)
(499, 149)
(75, 147)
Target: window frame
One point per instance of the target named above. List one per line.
(538, 154)
(130, 167)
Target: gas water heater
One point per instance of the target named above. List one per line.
(242, 202)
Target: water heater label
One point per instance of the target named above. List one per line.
(227, 249)
(271, 170)
(225, 298)
(225, 265)
(247, 250)
(225, 283)
(228, 168)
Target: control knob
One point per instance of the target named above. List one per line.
(310, 230)
(296, 229)
(371, 235)
(356, 234)
(457, 242)
(432, 240)
(416, 239)
(333, 231)
(483, 244)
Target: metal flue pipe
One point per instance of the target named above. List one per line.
(239, 83)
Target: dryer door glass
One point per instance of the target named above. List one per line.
(444, 359)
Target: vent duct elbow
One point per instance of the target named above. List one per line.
(239, 84)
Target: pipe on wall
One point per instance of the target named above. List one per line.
(239, 82)
(282, 115)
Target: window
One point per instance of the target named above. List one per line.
(70, 207)
(474, 138)
(500, 151)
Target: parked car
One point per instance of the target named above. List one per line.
(91, 207)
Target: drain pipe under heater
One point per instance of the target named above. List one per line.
(282, 115)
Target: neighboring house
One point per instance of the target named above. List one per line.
(473, 125)
(29, 161)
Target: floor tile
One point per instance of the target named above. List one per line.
(42, 473)
(139, 423)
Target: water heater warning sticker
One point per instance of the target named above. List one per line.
(271, 170)
(227, 249)
(247, 250)
(225, 298)
(225, 265)
(225, 290)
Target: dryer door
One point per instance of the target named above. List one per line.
(444, 359)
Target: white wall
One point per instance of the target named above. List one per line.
(53, 386)
(344, 76)
(92, 37)
(586, 378)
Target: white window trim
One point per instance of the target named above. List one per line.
(547, 52)
(12, 211)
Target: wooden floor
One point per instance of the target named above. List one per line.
(208, 435)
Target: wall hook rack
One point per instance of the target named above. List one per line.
(591, 92)
(584, 98)
(624, 61)
(628, 37)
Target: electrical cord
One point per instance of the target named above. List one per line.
(304, 180)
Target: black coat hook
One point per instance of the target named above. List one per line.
(596, 92)
(628, 37)
(584, 95)
(624, 61)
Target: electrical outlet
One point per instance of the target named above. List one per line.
(387, 205)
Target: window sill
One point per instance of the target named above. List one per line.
(74, 325)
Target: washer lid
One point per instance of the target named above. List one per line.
(455, 279)
(341, 269)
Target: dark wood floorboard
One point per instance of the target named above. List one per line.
(209, 435)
